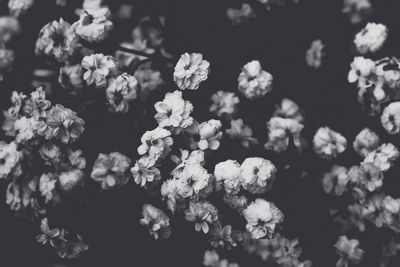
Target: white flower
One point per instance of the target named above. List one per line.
(202, 213)
(335, 181)
(210, 134)
(228, 174)
(156, 221)
(349, 251)
(47, 184)
(391, 118)
(121, 91)
(254, 82)
(262, 217)
(244, 13)
(224, 103)
(190, 71)
(192, 180)
(19, 7)
(71, 78)
(7, 57)
(99, 67)
(144, 172)
(9, 158)
(257, 175)
(174, 111)
(357, 10)
(328, 143)
(383, 157)
(371, 38)
(289, 109)
(315, 54)
(25, 129)
(241, 132)
(69, 179)
(93, 25)
(361, 69)
(156, 144)
(366, 141)
(186, 159)
(280, 130)
(9, 27)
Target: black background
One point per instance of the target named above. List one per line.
(279, 39)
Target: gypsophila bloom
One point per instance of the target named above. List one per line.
(365, 142)
(71, 78)
(383, 157)
(98, 68)
(262, 217)
(328, 144)
(390, 213)
(224, 103)
(7, 58)
(19, 7)
(349, 251)
(190, 71)
(58, 39)
(186, 159)
(315, 54)
(357, 10)
(241, 132)
(121, 91)
(24, 129)
(228, 174)
(236, 202)
(371, 38)
(335, 181)
(9, 158)
(280, 130)
(111, 170)
(192, 180)
(47, 185)
(156, 221)
(156, 144)
(93, 25)
(37, 106)
(211, 259)
(254, 82)
(257, 175)
(174, 111)
(361, 69)
(289, 109)
(143, 172)
(61, 123)
(391, 118)
(210, 134)
(239, 15)
(70, 179)
(373, 210)
(202, 213)
(368, 175)
(9, 27)
(223, 237)
(50, 153)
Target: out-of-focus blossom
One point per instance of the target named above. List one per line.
(156, 221)
(280, 130)
(349, 251)
(257, 175)
(50, 153)
(391, 118)
(121, 91)
(328, 144)
(20, 197)
(383, 157)
(156, 144)
(93, 25)
(224, 103)
(289, 109)
(9, 158)
(111, 170)
(98, 68)
(228, 174)
(19, 7)
(70, 179)
(239, 15)
(149, 79)
(71, 78)
(367, 175)
(254, 82)
(269, 3)
(222, 237)
(202, 213)
(210, 134)
(7, 57)
(61, 123)
(389, 252)
(236, 202)
(262, 217)
(335, 181)
(47, 185)
(190, 71)
(315, 54)
(24, 129)
(174, 111)
(143, 172)
(371, 38)
(390, 213)
(241, 132)
(365, 142)
(9, 27)
(211, 259)
(357, 10)
(58, 39)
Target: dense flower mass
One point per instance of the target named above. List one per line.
(254, 82)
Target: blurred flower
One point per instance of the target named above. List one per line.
(7, 58)
(228, 174)
(222, 237)
(239, 15)
(143, 171)
(99, 67)
(121, 91)
(289, 109)
(257, 175)
(9, 27)
(241, 132)
(19, 7)
(148, 78)
(357, 10)
(315, 54)
(93, 25)
(254, 82)
(47, 185)
(280, 130)
(367, 175)
(24, 129)
(335, 181)
(361, 69)
(190, 71)
(9, 158)
(349, 251)
(202, 213)
(224, 103)
(210, 134)
(262, 217)
(50, 153)
(49, 235)
(365, 142)
(156, 144)
(328, 143)
(236, 202)
(391, 118)
(383, 157)
(211, 259)
(71, 78)
(156, 221)
(111, 169)
(70, 179)
(371, 38)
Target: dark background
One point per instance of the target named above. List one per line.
(279, 39)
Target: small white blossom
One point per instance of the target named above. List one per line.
(280, 130)
(391, 118)
(254, 82)
(19, 7)
(120, 91)
(9, 158)
(190, 71)
(315, 54)
(156, 144)
(224, 103)
(357, 10)
(228, 174)
(98, 68)
(257, 175)
(328, 143)
(371, 38)
(365, 142)
(383, 157)
(349, 251)
(93, 25)
(210, 134)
